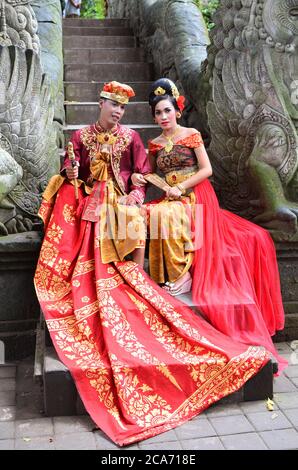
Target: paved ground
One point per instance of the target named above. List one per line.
(247, 425)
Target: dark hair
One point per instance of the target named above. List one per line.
(159, 98)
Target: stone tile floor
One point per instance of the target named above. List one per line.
(243, 426)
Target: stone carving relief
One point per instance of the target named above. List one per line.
(28, 152)
(253, 68)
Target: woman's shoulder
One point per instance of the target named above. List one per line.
(191, 137)
(155, 144)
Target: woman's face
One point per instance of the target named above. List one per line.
(165, 114)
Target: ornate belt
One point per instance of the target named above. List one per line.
(178, 176)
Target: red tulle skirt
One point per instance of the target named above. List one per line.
(236, 282)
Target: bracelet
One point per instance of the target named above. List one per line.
(182, 189)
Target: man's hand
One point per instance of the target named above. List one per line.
(72, 172)
(138, 179)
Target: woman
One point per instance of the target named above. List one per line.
(228, 262)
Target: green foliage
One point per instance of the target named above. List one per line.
(208, 10)
(94, 9)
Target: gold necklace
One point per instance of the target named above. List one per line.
(107, 137)
(168, 147)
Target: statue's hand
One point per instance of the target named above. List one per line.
(283, 217)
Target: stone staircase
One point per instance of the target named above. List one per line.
(96, 52)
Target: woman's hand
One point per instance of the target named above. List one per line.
(173, 193)
(138, 179)
(128, 200)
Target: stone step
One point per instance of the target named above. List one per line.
(121, 72)
(62, 399)
(137, 112)
(120, 22)
(103, 55)
(82, 42)
(146, 131)
(89, 91)
(96, 31)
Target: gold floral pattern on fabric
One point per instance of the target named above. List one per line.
(109, 283)
(115, 320)
(134, 276)
(78, 345)
(62, 267)
(174, 343)
(55, 324)
(143, 404)
(45, 212)
(64, 307)
(55, 233)
(48, 253)
(83, 267)
(228, 380)
(69, 213)
(50, 286)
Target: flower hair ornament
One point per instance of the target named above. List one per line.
(165, 86)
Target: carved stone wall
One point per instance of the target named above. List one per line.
(49, 18)
(175, 38)
(253, 111)
(19, 25)
(28, 150)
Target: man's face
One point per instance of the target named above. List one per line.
(111, 112)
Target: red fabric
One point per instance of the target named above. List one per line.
(235, 275)
(142, 361)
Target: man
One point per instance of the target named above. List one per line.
(110, 152)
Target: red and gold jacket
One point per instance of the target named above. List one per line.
(129, 156)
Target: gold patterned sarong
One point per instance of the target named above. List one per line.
(171, 241)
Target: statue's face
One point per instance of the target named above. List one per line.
(280, 19)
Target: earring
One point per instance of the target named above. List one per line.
(178, 115)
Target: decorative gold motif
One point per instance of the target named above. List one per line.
(69, 214)
(169, 146)
(62, 267)
(109, 283)
(159, 91)
(143, 405)
(114, 319)
(55, 233)
(48, 285)
(64, 307)
(106, 138)
(48, 253)
(83, 267)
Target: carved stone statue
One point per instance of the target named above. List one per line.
(28, 152)
(18, 25)
(253, 66)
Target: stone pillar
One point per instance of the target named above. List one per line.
(287, 256)
(19, 307)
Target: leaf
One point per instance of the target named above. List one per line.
(270, 404)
